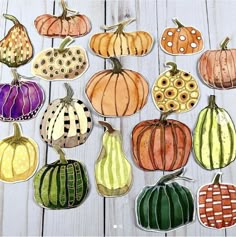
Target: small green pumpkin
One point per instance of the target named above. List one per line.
(62, 184)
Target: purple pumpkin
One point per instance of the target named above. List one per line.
(20, 100)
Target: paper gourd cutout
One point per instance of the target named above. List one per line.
(66, 122)
(161, 144)
(74, 24)
(181, 40)
(175, 90)
(62, 184)
(120, 43)
(117, 91)
(18, 157)
(214, 138)
(218, 67)
(63, 63)
(164, 206)
(16, 48)
(20, 100)
(113, 171)
(217, 204)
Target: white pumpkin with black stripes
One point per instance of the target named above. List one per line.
(66, 122)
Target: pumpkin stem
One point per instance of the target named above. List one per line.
(119, 26)
(66, 9)
(17, 130)
(224, 44)
(16, 76)
(168, 177)
(11, 18)
(69, 94)
(164, 115)
(177, 22)
(212, 102)
(217, 178)
(117, 67)
(174, 70)
(108, 126)
(66, 42)
(61, 154)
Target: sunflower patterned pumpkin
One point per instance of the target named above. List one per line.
(218, 67)
(61, 185)
(175, 90)
(16, 48)
(217, 204)
(63, 63)
(181, 40)
(164, 206)
(66, 122)
(18, 157)
(113, 172)
(161, 144)
(214, 138)
(117, 91)
(120, 43)
(75, 25)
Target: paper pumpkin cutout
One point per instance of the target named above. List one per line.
(75, 25)
(164, 206)
(18, 157)
(62, 184)
(218, 67)
(20, 100)
(63, 63)
(214, 137)
(175, 90)
(182, 40)
(16, 48)
(161, 144)
(113, 172)
(66, 122)
(120, 43)
(217, 204)
(117, 91)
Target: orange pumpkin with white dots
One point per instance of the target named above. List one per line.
(181, 40)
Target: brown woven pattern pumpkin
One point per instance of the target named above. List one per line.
(218, 67)
(181, 40)
(217, 204)
(117, 91)
(64, 25)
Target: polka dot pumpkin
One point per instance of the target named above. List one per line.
(181, 40)
(175, 90)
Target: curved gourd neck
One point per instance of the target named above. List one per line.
(65, 9)
(212, 102)
(69, 94)
(108, 126)
(12, 18)
(61, 154)
(117, 67)
(217, 179)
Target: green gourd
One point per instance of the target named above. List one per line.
(165, 206)
(113, 171)
(214, 137)
(62, 184)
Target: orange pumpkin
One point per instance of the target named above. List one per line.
(181, 40)
(218, 67)
(120, 43)
(117, 91)
(161, 144)
(64, 25)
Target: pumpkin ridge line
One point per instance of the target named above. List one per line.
(210, 136)
(221, 68)
(1, 157)
(127, 106)
(40, 29)
(227, 65)
(115, 94)
(234, 66)
(98, 51)
(175, 158)
(151, 144)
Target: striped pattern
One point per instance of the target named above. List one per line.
(20, 101)
(164, 207)
(217, 205)
(66, 125)
(112, 170)
(160, 145)
(60, 186)
(104, 92)
(218, 68)
(116, 44)
(214, 139)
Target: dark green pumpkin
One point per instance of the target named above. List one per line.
(62, 184)
(164, 206)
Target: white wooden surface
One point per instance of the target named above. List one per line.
(19, 215)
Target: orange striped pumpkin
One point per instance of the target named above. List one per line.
(217, 204)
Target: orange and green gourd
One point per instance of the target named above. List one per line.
(113, 172)
(18, 157)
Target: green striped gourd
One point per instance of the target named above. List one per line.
(112, 170)
(62, 184)
(214, 137)
(164, 206)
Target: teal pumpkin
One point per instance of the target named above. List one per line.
(62, 184)
(164, 206)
